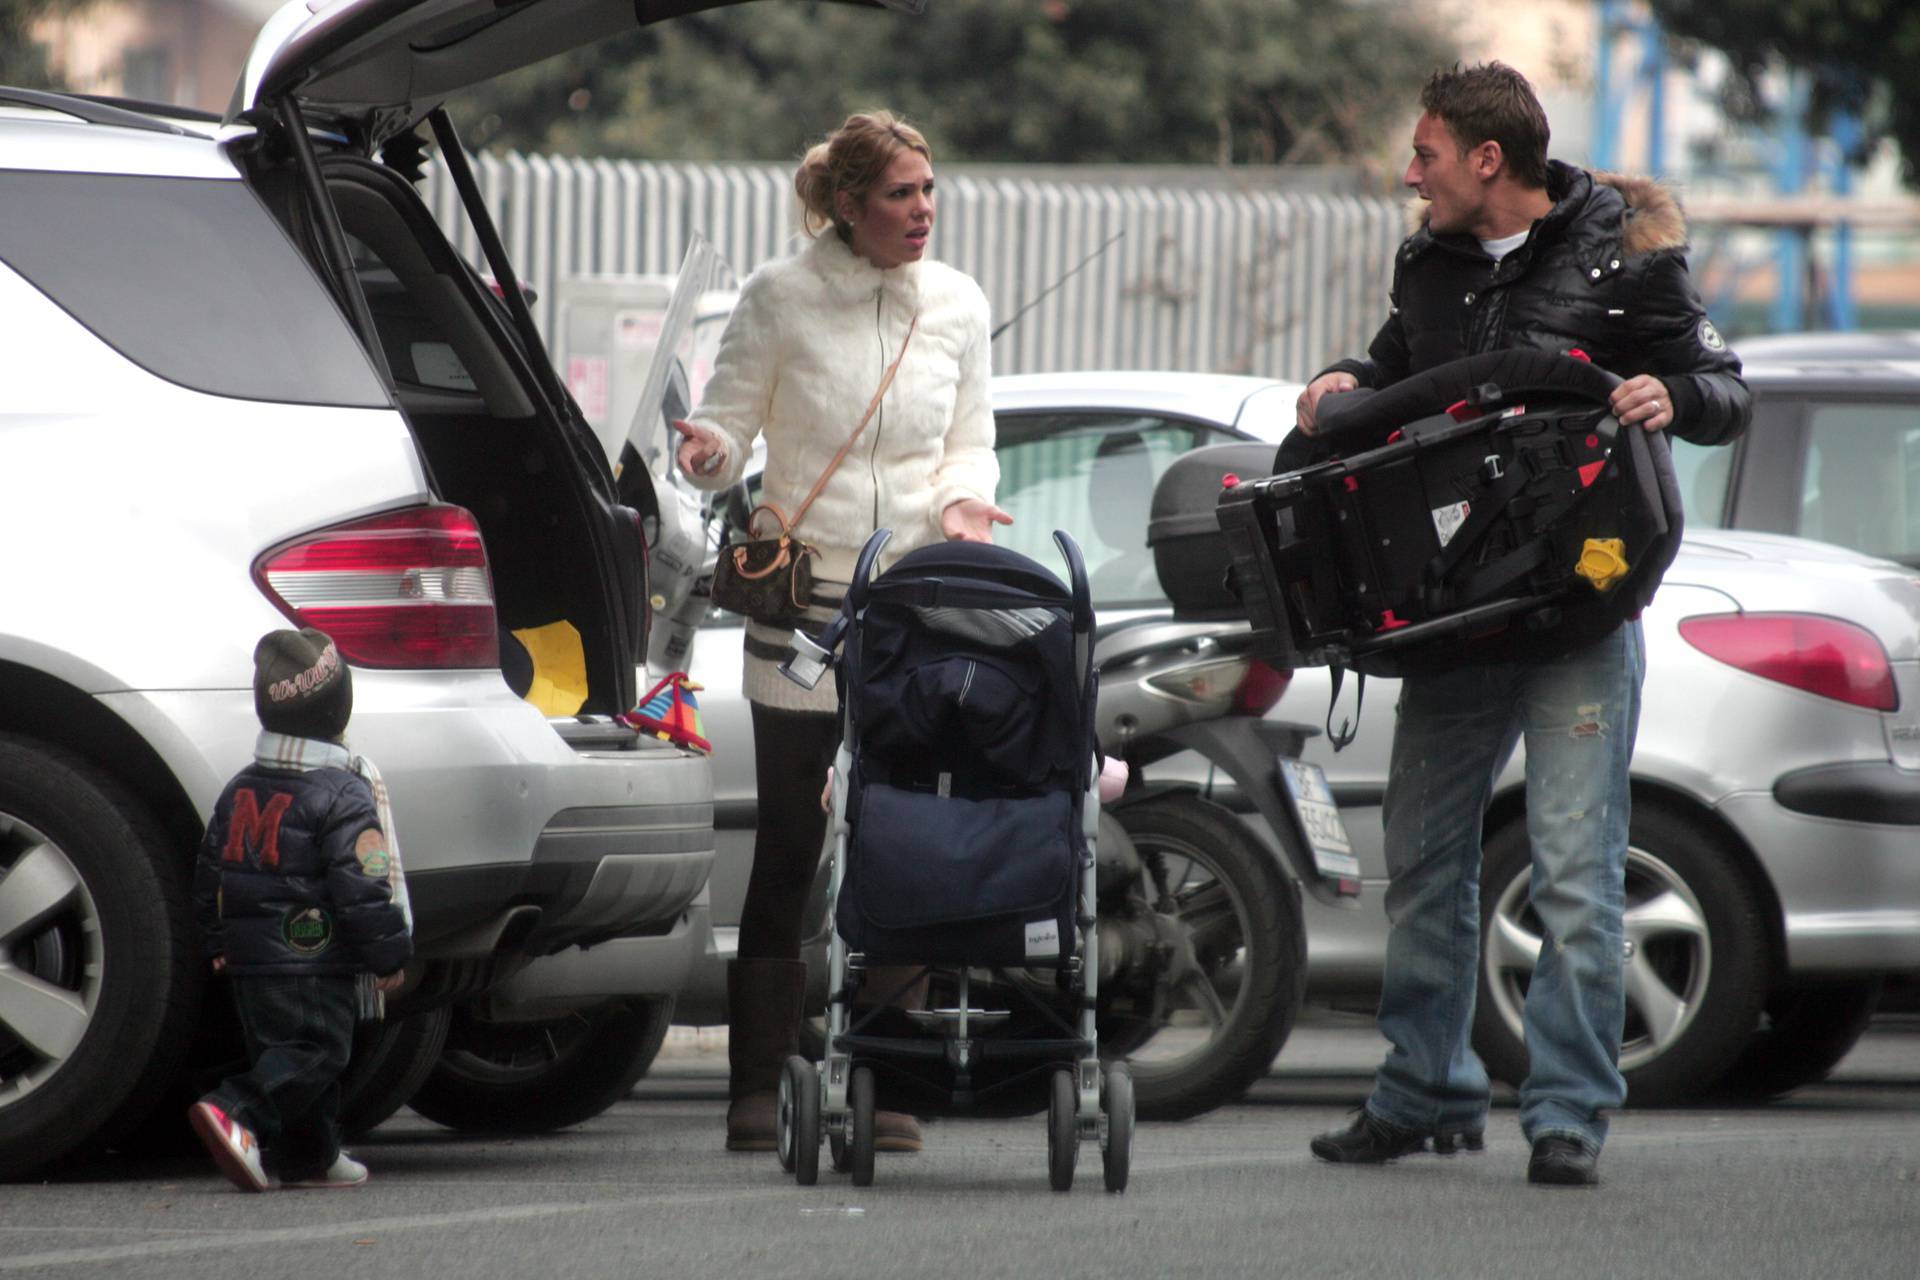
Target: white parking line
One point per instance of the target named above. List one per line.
(368, 1227)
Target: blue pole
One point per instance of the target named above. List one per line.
(1653, 67)
(1790, 244)
(1842, 312)
(1606, 105)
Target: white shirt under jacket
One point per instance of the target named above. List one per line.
(806, 346)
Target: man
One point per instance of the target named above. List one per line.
(1520, 251)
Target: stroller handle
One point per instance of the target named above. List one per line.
(863, 567)
(1069, 551)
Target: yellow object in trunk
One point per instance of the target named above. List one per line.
(559, 667)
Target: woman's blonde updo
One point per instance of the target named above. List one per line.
(853, 159)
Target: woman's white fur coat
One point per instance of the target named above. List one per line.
(806, 346)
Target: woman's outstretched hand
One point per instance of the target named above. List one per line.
(971, 520)
(702, 452)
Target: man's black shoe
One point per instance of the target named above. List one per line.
(1368, 1140)
(1562, 1162)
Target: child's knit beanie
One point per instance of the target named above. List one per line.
(300, 685)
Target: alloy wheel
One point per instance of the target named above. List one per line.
(52, 963)
(1669, 956)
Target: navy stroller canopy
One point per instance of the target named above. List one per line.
(965, 664)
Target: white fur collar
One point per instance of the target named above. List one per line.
(852, 278)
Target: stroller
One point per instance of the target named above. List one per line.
(964, 811)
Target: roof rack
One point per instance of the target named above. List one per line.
(91, 111)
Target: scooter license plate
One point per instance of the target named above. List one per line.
(1320, 819)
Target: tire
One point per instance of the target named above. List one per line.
(95, 910)
(1241, 915)
(1804, 1034)
(860, 1117)
(1116, 1158)
(1696, 976)
(391, 1060)
(1063, 1131)
(797, 1121)
(535, 1077)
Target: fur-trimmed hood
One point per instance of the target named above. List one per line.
(1654, 220)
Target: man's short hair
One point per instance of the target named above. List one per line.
(1491, 102)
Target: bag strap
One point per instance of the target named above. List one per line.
(886, 381)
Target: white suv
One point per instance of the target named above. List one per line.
(248, 382)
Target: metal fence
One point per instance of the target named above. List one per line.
(1205, 277)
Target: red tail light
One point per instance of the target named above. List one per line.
(1261, 689)
(405, 589)
(1821, 655)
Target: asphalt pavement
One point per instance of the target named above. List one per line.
(1824, 1183)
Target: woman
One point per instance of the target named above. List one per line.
(807, 346)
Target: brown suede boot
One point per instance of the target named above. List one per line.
(763, 1018)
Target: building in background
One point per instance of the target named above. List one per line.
(185, 52)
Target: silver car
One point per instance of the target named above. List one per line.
(1775, 871)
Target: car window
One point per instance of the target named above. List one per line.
(190, 278)
(1091, 474)
(1704, 473)
(1861, 486)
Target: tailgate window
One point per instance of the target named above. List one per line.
(191, 279)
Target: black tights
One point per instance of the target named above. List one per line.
(792, 751)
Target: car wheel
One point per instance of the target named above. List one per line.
(99, 979)
(1805, 1033)
(1696, 968)
(391, 1060)
(534, 1077)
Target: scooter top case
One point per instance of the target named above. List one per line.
(1486, 509)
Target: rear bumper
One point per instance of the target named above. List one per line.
(1875, 791)
(1849, 890)
(514, 840)
(652, 966)
(611, 870)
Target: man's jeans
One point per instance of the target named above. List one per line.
(1455, 733)
(299, 1031)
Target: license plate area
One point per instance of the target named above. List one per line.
(1320, 824)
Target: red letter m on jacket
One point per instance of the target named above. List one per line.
(250, 830)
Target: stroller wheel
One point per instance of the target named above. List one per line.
(1117, 1154)
(839, 1149)
(797, 1121)
(1063, 1131)
(860, 1121)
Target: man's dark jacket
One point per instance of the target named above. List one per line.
(295, 877)
(1604, 272)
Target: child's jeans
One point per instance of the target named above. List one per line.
(299, 1030)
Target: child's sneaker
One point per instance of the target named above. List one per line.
(232, 1146)
(345, 1171)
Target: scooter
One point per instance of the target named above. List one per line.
(1202, 945)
